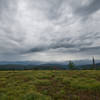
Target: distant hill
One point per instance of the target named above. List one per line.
(21, 62)
(76, 62)
(45, 67)
(90, 66)
(28, 65)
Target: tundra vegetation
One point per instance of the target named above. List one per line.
(50, 85)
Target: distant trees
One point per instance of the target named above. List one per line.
(94, 65)
(71, 65)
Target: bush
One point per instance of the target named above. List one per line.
(71, 65)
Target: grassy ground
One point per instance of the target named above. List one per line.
(50, 85)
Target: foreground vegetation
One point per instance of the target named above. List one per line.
(50, 85)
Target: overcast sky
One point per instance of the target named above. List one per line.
(49, 30)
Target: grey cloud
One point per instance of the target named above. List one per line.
(49, 7)
(53, 47)
(47, 26)
(53, 12)
(65, 43)
(88, 9)
(90, 48)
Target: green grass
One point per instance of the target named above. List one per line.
(50, 85)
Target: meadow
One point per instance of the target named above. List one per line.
(50, 85)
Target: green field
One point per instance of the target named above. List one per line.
(50, 85)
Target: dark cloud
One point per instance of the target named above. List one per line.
(90, 48)
(65, 43)
(89, 9)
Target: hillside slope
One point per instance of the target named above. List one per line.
(50, 85)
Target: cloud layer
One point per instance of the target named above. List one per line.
(49, 30)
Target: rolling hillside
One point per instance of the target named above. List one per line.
(50, 85)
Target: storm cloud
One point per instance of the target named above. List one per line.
(49, 29)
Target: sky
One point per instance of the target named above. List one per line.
(49, 30)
